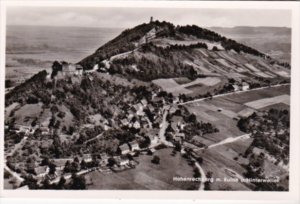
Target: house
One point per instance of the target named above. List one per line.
(180, 134)
(176, 100)
(134, 145)
(139, 108)
(152, 150)
(179, 137)
(130, 115)
(258, 151)
(44, 130)
(236, 87)
(136, 125)
(52, 176)
(68, 68)
(87, 157)
(106, 127)
(172, 110)
(125, 122)
(124, 161)
(245, 86)
(151, 108)
(41, 171)
(21, 129)
(79, 69)
(144, 102)
(104, 159)
(153, 139)
(121, 160)
(124, 148)
(96, 67)
(174, 127)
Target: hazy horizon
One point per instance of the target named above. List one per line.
(130, 17)
(137, 24)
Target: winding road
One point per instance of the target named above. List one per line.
(162, 131)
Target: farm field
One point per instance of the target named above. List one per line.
(223, 120)
(280, 106)
(261, 103)
(147, 175)
(242, 98)
(31, 111)
(183, 85)
(8, 183)
(223, 112)
(240, 146)
(218, 161)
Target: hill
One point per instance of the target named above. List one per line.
(162, 50)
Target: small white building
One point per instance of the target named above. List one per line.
(153, 139)
(87, 157)
(245, 86)
(136, 125)
(144, 102)
(44, 130)
(121, 160)
(104, 159)
(124, 148)
(236, 87)
(41, 171)
(134, 145)
(79, 69)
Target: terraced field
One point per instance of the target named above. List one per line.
(185, 86)
(224, 111)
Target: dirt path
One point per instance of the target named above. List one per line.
(230, 140)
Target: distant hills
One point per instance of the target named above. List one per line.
(274, 41)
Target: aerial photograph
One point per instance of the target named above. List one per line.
(116, 98)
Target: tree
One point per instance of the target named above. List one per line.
(192, 118)
(45, 161)
(83, 164)
(177, 147)
(196, 173)
(200, 160)
(67, 168)
(52, 168)
(215, 48)
(78, 182)
(111, 162)
(145, 143)
(155, 160)
(61, 183)
(46, 184)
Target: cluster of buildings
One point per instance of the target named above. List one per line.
(244, 86)
(68, 69)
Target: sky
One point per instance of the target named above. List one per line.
(130, 17)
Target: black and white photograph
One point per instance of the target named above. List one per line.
(147, 98)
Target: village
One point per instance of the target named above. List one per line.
(150, 136)
(156, 124)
